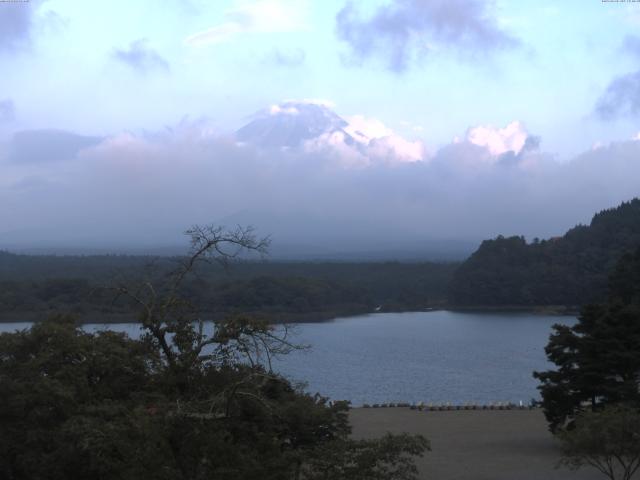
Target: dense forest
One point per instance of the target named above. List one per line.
(178, 403)
(569, 270)
(505, 272)
(281, 291)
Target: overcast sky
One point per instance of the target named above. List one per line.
(490, 116)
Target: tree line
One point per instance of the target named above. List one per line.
(182, 402)
(34, 285)
(591, 399)
(507, 271)
(569, 270)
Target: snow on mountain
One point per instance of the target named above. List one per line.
(312, 126)
(290, 124)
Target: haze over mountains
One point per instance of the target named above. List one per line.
(392, 128)
(291, 124)
(312, 126)
(321, 184)
(572, 269)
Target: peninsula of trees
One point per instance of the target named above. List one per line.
(570, 270)
(32, 286)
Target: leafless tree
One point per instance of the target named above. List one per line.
(175, 325)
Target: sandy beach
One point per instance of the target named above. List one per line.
(475, 444)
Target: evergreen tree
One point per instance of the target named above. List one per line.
(598, 358)
(569, 270)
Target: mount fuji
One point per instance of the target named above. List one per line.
(292, 123)
(312, 125)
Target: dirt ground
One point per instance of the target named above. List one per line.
(475, 444)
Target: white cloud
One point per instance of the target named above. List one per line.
(333, 146)
(361, 127)
(127, 186)
(313, 101)
(217, 34)
(498, 141)
(313, 126)
(383, 142)
(375, 143)
(287, 110)
(259, 16)
(396, 149)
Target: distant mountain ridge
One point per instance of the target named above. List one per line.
(292, 123)
(568, 270)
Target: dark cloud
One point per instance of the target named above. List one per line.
(622, 96)
(141, 57)
(7, 111)
(405, 29)
(44, 146)
(287, 58)
(16, 20)
(511, 158)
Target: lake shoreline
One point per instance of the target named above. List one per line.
(437, 357)
(559, 310)
(87, 318)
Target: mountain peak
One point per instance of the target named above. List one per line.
(291, 123)
(313, 126)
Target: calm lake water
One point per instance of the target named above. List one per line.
(434, 357)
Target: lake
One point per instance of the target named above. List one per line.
(433, 357)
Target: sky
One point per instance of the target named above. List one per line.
(487, 117)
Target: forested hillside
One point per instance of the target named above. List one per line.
(569, 270)
(294, 291)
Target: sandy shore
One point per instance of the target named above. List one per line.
(475, 445)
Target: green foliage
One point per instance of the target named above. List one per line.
(569, 270)
(608, 440)
(85, 406)
(180, 403)
(383, 458)
(61, 391)
(597, 359)
(33, 286)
